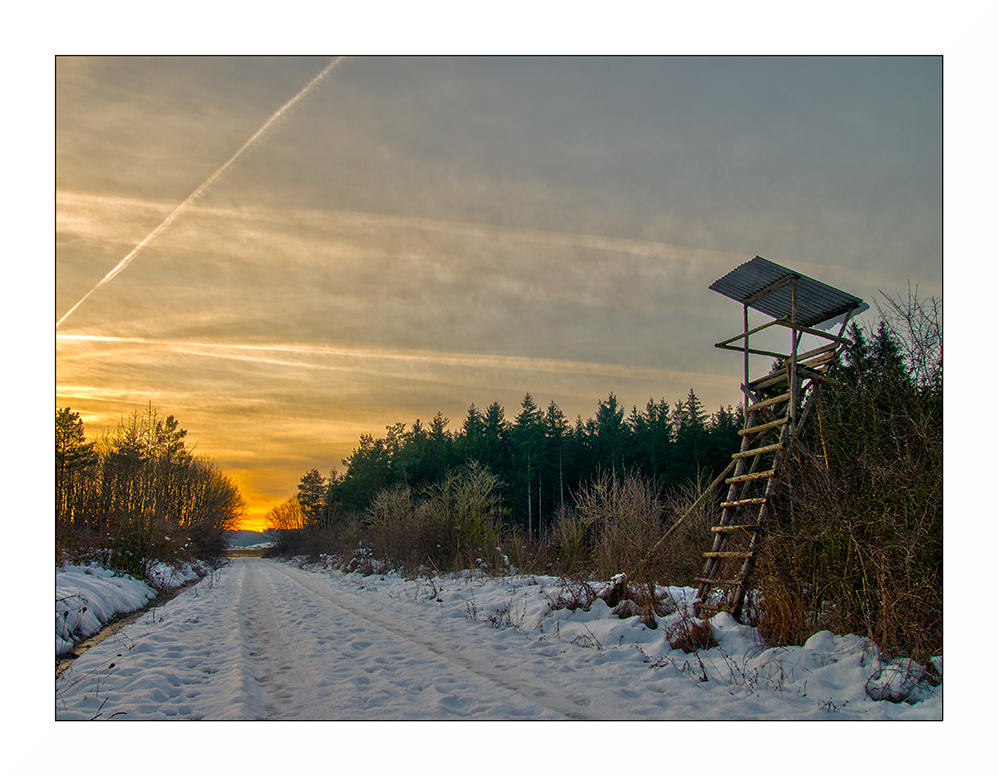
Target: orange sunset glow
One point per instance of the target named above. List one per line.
(286, 253)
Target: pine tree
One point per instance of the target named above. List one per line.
(692, 438)
(527, 436)
(312, 496)
(470, 442)
(495, 446)
(555, 430)
(611, 434)
(73, 455)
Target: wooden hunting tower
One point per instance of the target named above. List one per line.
(776, 405)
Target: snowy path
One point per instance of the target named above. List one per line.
(261, 639)
(265, 641)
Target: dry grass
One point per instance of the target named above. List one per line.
(691, 635)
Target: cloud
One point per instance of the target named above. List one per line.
(427, 233)
(388, 362)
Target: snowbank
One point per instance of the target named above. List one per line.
(86, 597)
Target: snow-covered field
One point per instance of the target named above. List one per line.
(262, 639)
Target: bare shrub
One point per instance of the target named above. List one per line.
(567, 539)
(691, 512)
(392, 527)
(452, 525)
(573, 596)
(623, 521)
(691, 635)
(854, 544)
(462, 518)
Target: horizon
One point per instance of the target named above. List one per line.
(423, 234)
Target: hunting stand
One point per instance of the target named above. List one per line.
(775, 407)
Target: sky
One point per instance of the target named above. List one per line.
(419, 234)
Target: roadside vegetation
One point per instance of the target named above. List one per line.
(854, 543)
(137, 495)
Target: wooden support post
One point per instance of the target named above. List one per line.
(793, 356)
(745, 388)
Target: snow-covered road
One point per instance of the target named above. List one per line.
(261, 639)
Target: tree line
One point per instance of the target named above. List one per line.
(137, 493)
(540, 458)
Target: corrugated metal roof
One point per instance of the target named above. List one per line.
(816, 301)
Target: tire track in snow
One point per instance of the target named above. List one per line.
(503, 675)
(275, 665)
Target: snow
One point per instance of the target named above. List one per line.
(87, 596)
(262, 639)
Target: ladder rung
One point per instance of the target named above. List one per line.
(817, 351)
(768, 402)
(728, 554)
(743, 502)
(758, 451)
(718, 582)
(812, 375)
(763, 427)
(722, 528)
(705, 611)
(816, 361)
(748, 477)
(775, 378)
(768, 381)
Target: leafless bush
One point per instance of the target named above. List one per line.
(567, 539)
(573, 596)
(392, 526)
(452, 525)
(623, 520)
(691, 635)
(680, 556)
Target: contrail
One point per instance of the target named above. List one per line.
(288, 106)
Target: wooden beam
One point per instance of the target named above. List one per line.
(816, 351)
(758, 451)
(731, 528)
(768, 402)
(766, 475)
(772, 353)
(752, 331)
(763, 427)
(776, 285)
(847, 308)
(806, 330)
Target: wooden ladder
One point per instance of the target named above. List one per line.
(738, 534)
(769, 426)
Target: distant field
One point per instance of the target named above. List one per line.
(238, 553)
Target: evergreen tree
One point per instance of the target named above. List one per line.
(495, 443)
(368, 470)
(555, 432)
(470, 442)
(73, 455)
(692, 438)
(723, 438)
(527, 435)
(312, 497)
(333, 498)
(441, 448)
(611, 434)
